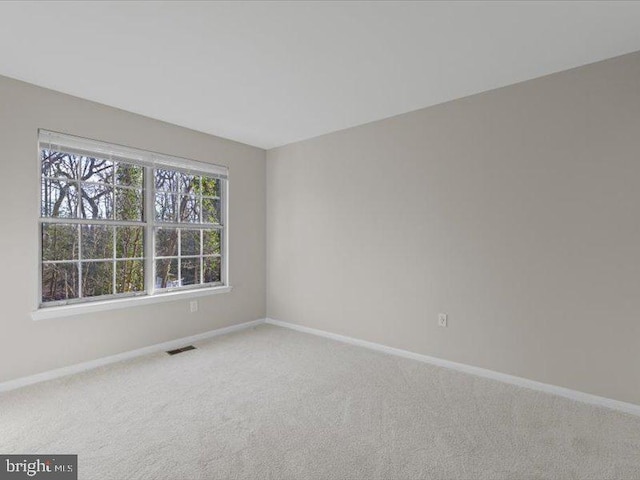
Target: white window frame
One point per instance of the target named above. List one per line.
(155, 225)
(149, 161)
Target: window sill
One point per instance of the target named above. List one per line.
(101, 306)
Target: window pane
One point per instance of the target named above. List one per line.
(167, 180)
(190, 271)
(129, 276)
(166, 207)
(97, 201)
(59, 199)
(129, 175)
(211, 210)
(210, 187)
(129, 242)
(59, 242)
(96, 170)
(190, 242)
(166, 242)
(189, 209)
(58, 164)
(189, 183)
(211, 242)
(97, 279)
(167, 273)
(212, 270)
(128, 204)
(59, 281)
(97, 241)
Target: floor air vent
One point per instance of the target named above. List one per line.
(180, 350)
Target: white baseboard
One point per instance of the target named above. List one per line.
(630, 408)
(160, 347)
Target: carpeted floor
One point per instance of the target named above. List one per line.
(271, 403)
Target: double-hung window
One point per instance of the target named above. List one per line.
(120, 222)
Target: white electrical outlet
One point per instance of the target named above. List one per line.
(193, 306)
(442, 319)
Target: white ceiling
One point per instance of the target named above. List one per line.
(271, 73)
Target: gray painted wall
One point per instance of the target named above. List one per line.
(516, 211)
(27, 346)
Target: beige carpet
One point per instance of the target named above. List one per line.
(271, 403)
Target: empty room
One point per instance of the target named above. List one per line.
(313, 240)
